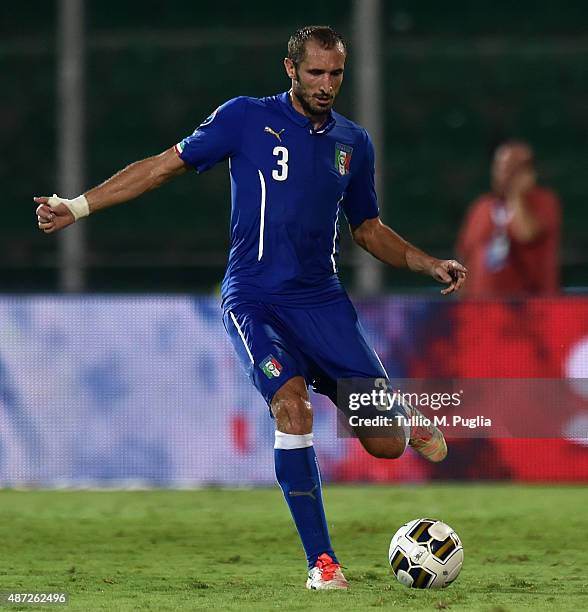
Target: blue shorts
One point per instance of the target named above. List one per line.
(321, 344)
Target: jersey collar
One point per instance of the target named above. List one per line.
(300, 119)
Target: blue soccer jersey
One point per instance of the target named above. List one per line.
(288, 185)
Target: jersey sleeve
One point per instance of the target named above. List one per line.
(360, 201)
(216, 138)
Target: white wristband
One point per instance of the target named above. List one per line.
(78, 207)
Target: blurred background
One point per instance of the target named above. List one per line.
(89, 87)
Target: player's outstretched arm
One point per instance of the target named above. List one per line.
(387, 246)
(55, 213)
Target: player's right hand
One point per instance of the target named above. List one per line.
(52, 214)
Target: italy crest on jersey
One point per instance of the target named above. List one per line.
(271, 367)
(342, 158)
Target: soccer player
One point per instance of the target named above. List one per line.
(296, 167)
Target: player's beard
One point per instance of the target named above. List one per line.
(305, 101)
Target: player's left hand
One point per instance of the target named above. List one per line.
(450, 272)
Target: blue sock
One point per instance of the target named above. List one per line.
(298, 475)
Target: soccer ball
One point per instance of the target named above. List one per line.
(426, 554)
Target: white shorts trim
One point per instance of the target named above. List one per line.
(242, 335)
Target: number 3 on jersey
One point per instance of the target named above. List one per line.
(281, 173)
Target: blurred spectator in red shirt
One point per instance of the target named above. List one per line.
(509, 240)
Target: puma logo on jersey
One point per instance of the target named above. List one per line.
(304, 493)
(278, 135)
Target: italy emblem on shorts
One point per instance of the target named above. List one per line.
(342, 158)
(271, 367)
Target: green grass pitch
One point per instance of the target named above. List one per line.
(525, 548)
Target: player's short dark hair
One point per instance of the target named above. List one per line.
(326, 36)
